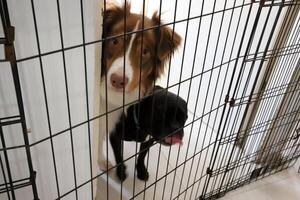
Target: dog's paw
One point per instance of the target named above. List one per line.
(142, 173)
(104, 165)
(121, 172)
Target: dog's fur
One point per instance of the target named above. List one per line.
(161, 116)
(128, 74)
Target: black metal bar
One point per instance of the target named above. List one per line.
(7, 164)
(87, 96)
(67, 95)
(3, 172)
(45, 97)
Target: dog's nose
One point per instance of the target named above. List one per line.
(118, 81)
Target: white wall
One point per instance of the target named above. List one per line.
(33, 95)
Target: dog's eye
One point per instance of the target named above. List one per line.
(115, 41)
(145, 51)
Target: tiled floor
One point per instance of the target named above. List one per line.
(282, 186)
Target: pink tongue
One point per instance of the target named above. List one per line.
(174, 139)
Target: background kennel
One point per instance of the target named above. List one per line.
(238, 68)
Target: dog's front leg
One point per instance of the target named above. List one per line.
(103, 161)
(116, 144)
(142, 172)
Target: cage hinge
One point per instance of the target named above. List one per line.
(209, 171)
(297, 134)
(232, 102)
(9, 52)
(226, 98)
(8, 46)
(10, 34)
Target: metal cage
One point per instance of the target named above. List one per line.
(238, 69)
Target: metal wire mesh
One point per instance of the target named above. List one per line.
(238, 70)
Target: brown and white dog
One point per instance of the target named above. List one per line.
(131, 64)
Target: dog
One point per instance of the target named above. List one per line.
(161, 116)
(130, 75)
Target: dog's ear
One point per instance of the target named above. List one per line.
(168, 40)
(113, 13)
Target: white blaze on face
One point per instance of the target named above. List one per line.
(117, 66)
(115, 97)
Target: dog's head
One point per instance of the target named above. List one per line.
(135, 58)
(164, 114)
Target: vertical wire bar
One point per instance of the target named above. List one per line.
(158, 32)
(103, 63)
(4, 16)
(123, 92)
(158, 36)
(165, 100)
(178, 91)
(4, 178)
(7, 165)
(139, 95)
(165, 103)
(67, 95)
(87, 95)
(45, 97)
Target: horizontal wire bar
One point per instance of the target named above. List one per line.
(127, 33)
